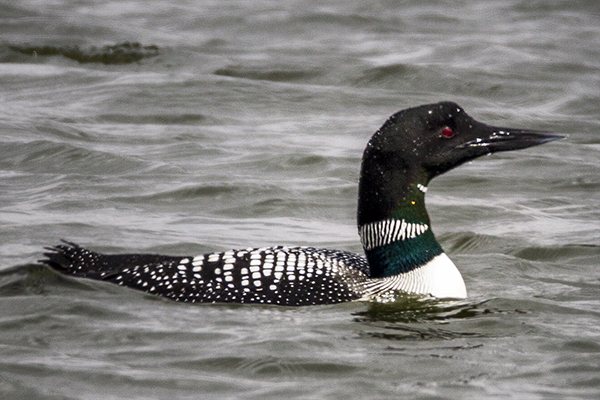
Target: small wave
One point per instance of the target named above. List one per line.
(155, 119)
(560, 254)
(275, 75)
(385, 74)
(181, 194)
(121, 53)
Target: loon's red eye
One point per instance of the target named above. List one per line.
(447, 132)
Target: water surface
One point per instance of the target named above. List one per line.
(243, 124)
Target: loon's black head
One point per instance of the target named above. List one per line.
(417, 144)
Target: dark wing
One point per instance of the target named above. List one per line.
(278, 275)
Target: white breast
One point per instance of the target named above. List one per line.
(438, 278)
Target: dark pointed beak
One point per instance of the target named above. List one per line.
(495, 139)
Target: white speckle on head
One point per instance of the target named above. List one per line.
(422, 188)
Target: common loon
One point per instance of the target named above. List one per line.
(412, 147)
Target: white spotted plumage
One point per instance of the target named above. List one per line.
(278, 275)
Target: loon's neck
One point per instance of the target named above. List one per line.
(399, 240)
(394, 226)
(403, 253)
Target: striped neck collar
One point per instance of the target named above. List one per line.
(397, 246)
(381, 233)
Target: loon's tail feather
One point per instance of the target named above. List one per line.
(70, 258)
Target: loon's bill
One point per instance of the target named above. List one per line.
(401, 253)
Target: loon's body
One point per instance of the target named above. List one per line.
(401, 252)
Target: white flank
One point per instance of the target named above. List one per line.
(438, 278)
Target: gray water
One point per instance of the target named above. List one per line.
(236, 124)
